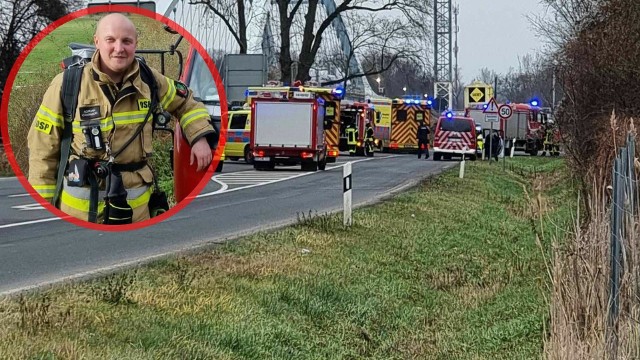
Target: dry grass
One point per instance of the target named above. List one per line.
(581, 268)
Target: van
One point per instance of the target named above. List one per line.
(454, 136)
(238, 136)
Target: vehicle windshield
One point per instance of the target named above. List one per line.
(457, 125)
(201, 81)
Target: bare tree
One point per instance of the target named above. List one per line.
(312, 36)
(379, 40)
(233, 14)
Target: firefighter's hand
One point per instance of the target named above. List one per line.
(201, 154)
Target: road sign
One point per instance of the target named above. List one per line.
(477, 94)
(504, 111)
(491, 117)
(492, 107)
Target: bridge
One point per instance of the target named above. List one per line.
(339, 54)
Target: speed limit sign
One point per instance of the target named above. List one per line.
(504, 111)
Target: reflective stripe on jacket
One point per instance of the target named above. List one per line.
(118, 113)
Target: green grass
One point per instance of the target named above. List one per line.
(449, 270)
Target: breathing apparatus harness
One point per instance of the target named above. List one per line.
(117, 210)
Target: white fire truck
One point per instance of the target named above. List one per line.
(288, 129)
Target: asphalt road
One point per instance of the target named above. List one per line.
(37, 249)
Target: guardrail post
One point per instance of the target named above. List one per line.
(346, 193)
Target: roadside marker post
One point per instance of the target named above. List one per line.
(346, 193)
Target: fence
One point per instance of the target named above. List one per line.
(624, 264)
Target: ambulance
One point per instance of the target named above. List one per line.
(238, 136)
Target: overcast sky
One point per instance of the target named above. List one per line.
(493, 33)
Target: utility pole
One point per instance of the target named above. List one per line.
(442, 53)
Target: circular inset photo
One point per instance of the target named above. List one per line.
(108, 118)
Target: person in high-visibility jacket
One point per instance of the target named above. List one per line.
(109, 128)
(352, 138)
(480, 142)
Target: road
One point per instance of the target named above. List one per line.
(37, 249)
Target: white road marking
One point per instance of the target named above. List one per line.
(28, 207)
(224, 188)
(18, 195)
(29, 222)
(266, 177)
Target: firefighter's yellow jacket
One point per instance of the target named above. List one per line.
(119, 112)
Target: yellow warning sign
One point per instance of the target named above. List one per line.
(477, 95)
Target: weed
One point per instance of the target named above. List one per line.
(321, 223)
(115, 288)
(34, 313)
(183, 273)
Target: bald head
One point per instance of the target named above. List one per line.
(117, 20)
(116, 39)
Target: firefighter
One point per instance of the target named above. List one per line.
(423, 139)
(548, 139)
(368, 139)
(493, 141)
(352, 138)
(110, 138)
(479, 140)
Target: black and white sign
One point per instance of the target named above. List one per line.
(504, 111)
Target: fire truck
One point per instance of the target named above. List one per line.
(523, 129)
(288, 127)
(358, 114)
(332, 98)
(406, 114)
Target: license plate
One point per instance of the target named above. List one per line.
(261, 158)
(455, 140)
(410, 145)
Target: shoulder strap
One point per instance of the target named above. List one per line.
(150, 80)
(71, 79)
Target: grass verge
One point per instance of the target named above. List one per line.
(454, 269)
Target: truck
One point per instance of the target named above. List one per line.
(288, 128)
(358, 114)
(523, 129)
(406, 114)
(382, 128)
(332, 98)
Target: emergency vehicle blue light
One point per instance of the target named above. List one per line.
(484, 106)
(246, 93)
(534, 102)
(429, 101)
(449, 114)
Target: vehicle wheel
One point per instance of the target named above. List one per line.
(309, 166)
(248, 155)
(264, 165)
(436, 156)
(219, 167)
(322, 164)
(472, 157)
(233, 158)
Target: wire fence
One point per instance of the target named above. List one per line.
(623, 281)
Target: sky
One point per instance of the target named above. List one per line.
(493, 33)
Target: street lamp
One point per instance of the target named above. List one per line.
(379, 89)
(404, 88)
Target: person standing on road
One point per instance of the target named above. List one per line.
(108, 137)
(423, 139)
(352, 138)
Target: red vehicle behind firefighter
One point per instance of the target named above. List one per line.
(288, 128)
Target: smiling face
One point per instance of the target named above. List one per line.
(116, 40)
